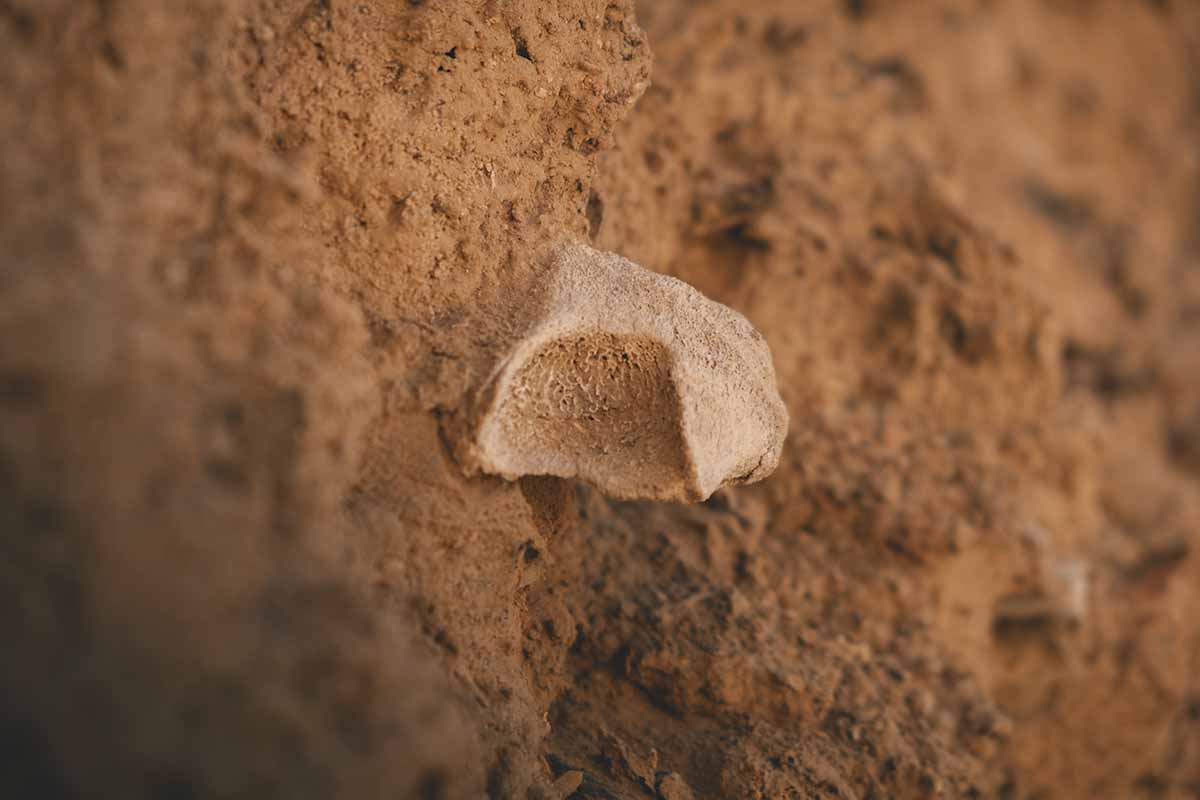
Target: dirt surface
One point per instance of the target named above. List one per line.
(256, 254)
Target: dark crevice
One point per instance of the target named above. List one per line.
(522, 46)
(1065, 210)
(1105, 372)
(971, 343)
(595, 214)
(857, 10)
(20, 21)
(740, 237)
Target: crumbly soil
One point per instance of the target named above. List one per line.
(253, 253)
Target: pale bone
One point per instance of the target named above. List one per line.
(634, 382)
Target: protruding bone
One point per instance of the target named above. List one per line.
(634, 382)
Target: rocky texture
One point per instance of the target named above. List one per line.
(633, 382)
(183, 411)
(256, 255)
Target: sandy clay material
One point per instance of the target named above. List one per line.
(270, 269)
